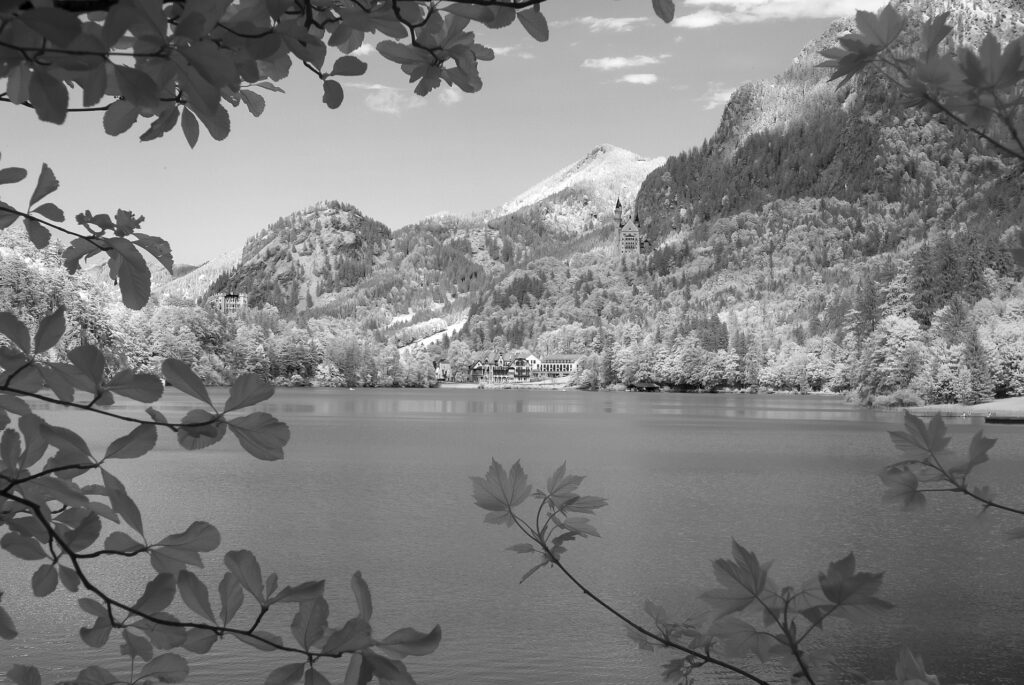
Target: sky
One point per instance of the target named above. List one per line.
(611, 72)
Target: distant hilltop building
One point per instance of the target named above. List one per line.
(630, 240)
(228, 304)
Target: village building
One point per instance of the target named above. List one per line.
(559, 365)
(495, 368)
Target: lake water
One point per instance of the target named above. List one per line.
(378, 481)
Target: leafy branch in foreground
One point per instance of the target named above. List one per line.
(53, 517)
(750, 614)
(978, 90)
(926, 447)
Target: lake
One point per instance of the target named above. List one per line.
(378, 481)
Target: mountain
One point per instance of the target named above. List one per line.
(603, 176)
(820, 238)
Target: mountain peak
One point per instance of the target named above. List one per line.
(607, 171)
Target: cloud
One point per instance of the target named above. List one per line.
(388, 100)
(513, 50)
(715, 12)
(617, 24)
(450, 96)
(639, 79)
(364, 50)
(610, 63)
(717, 95)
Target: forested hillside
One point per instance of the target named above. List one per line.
(822, 238)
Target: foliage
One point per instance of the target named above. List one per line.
(976, 89)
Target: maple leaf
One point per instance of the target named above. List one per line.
(500, 492)
(742, 579)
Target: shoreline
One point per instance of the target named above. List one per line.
(1006, 408)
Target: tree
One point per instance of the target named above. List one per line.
(157, 66)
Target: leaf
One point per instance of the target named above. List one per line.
(68, 578)
(919, 441)
(199, 640)
(910, 669)
(163, 635)
(16, 331)
(166, 668)
(217, 123)
(262, 640)
(665, 9)
(89, 360)
(200, 429)
(499, 492)
(122, 542)
(901, 486)
(50, 211)
(7, 629)
(386, 670)
(254, 102)
(852, 592)
(56, 25)
(534, 23)
(45, 184)
(739, 639)
(8, 215)
(533, 570)
(179, 375)
(38, 234)
(334, 94)
(141, 387)
(131, 272)
(362, 592)
(96, 675)
(24, 675)
(231, 597)
(158, 247)
(314, 677)
(22, 547)
(200, 537)
(522, 548)
(136, 646)
(286, 675)
(247, 390)
(243, 565)
(300, 593)
(353, 636)
(50, 330)
(12, 174)
(121, 503)
(98, 634)
(195, 595)
(141, 440)
(261, 435)
(310, 622)
(158, 595)
(743, 579)
(359, 672)
(409, 642)
(348, 65)
(44, 580)
(189, 126)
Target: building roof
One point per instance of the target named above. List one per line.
(561, 359)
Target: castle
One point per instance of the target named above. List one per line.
(630, 240)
